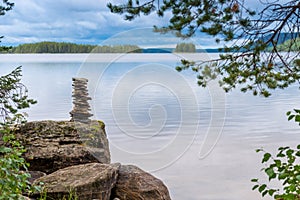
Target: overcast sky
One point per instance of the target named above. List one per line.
(81, 21)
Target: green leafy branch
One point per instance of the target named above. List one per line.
(14, 168)
(13, 96)
(285, 168)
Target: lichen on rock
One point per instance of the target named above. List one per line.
(53, 145)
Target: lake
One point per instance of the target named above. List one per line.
(200, 141)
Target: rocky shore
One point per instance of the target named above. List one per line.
(73, 158)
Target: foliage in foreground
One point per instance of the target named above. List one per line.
(283, 167)
(13, 174)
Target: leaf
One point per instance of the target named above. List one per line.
(254, 180)
(259, 150)
(277, 163)
(292, 188)
(262, 188)
(291, 117)
(254, 187)
(298, 147)
(280, 155)
(289, 152)
(297, 110)
(270, 172)
(298, 177)
(297, 118)
(266, 157)
(264, 193)
(282, 176)
(283, 148)
(271, 192)
(179, 69)
(288, 113)
(277, 196)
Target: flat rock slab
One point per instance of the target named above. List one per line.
(86, 182)
(136, 184)
(54, 145)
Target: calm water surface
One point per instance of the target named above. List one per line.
(200, 142)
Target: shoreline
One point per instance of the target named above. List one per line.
(105, 57)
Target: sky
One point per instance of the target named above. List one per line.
(83, 22)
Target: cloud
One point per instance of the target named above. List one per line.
(65, 20)
(82, 22)
(145, 37)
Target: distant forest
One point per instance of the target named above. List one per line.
(284, 43)
(63, 47)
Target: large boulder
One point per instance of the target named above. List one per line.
(136, 184)
(76, 158)
(54, 145)
(86, 182)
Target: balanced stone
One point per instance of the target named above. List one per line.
(81, 107)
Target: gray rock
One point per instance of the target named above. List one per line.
(87, 181)
(136, 184)
(81, 107)
(53, 145)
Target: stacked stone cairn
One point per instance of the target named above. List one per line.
(81, 107)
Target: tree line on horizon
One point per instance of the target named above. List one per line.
(64, 47)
